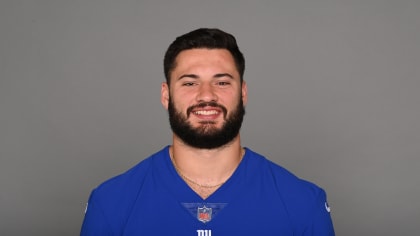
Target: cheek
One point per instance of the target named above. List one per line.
(234, 99)
(179, 103)
(235, 105)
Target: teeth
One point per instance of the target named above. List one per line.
(212, 112)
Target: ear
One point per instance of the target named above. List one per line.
(164, 95)
(244, 93)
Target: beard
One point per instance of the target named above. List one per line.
(206, 136)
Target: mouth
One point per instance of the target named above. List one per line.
(207, 114)
(207, 111)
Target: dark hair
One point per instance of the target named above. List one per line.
(203, 38)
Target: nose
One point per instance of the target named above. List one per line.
(206, 93)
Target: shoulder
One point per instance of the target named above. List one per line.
(132, 177)
(124, 188)
(305, 201)
(111, 202)
(281, 177)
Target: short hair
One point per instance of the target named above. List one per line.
(209, 38)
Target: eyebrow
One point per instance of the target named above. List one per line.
(223, 75)
(194, 76)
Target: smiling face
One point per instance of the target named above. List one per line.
(205, 98)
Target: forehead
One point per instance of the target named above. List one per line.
(204, 59)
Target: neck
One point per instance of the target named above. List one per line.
(206, 167)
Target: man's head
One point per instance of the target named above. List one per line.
(203, 38)
(204, 93)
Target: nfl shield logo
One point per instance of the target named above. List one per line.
(204, 214)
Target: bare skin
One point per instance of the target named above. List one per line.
(205, 75)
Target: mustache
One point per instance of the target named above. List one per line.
(207, 104)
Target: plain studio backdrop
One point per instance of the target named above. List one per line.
(333, 97)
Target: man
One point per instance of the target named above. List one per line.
(206, 183)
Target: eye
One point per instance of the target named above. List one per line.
(188, 84)
(223, 83)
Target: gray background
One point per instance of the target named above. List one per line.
(333, 97)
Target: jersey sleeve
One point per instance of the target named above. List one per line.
(321, 222)
(95, 222)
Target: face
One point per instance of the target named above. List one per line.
(205, 98)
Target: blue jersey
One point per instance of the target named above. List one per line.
(260, 198)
